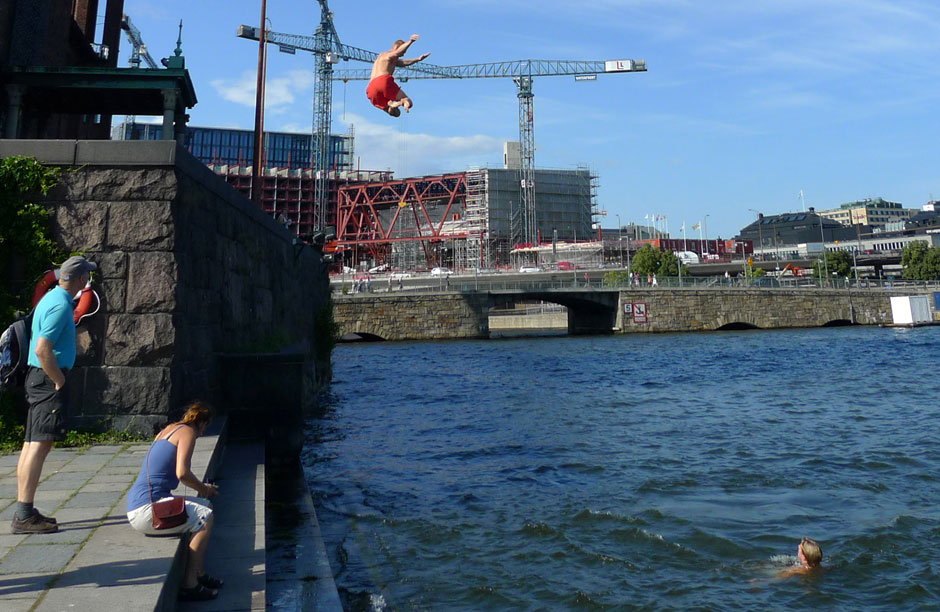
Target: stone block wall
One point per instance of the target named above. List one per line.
(393, 316)
(413, 317)
(188, 269)
(700, 310)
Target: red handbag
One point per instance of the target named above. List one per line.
(168, 513)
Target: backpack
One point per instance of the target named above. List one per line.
(14, 351)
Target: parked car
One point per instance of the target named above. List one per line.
(529, 269)
(381, 268)
(566, 265)
(400, 275)
(441, 272)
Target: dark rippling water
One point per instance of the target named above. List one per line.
(639, 472)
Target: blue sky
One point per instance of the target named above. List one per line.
(745, 103)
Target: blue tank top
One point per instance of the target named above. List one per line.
(161, 462)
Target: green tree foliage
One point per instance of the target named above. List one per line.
(838, 262)
(26, 249)
(646, 260)
(668, 264)
(616, 278)
(920, 261)
(757, 272)
(650, 260)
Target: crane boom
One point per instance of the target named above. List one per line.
(512, 69)
(139, 49)
(291, 43)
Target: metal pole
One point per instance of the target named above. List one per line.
(259, 113)
(824, 253)
(620, 239)
(705, 227)
(855, 265)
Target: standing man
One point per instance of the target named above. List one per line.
(382, 90)
(51, 356)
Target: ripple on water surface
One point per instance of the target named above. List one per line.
(629, 473)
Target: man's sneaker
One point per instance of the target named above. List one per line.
(33, 524)
(43, 517)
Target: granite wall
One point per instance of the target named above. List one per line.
(189, 271)
(400, 316)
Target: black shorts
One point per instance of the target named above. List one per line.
(48, 408)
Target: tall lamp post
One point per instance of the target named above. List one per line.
(257, 144)
(824, 252)
(760, 231)
(620, 239)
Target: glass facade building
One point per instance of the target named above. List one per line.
(233, 147)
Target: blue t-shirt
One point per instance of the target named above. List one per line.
(53, 321)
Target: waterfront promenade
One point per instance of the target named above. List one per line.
(97, 562)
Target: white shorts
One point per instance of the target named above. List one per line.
(198, 511)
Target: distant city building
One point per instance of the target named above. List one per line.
(876, 212)
(233, 147)
(771, 233)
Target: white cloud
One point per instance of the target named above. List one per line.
(279, 92)
(382, 146)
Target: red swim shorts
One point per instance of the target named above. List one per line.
(382, 90)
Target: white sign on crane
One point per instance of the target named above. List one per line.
(624, 65)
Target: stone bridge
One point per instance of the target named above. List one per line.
(456, 314)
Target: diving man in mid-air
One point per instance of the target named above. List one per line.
(383, 91)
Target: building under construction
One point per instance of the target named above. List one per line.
(287, 194)
(464, 220)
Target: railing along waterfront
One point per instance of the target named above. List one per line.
(488, 283)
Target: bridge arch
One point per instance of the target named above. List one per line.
(360, 337)
(589, 312)
(736, 326)
(837, 323)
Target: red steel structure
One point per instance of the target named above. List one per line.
(424, 210)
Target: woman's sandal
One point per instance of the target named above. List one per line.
(210, 582)
(197, 593)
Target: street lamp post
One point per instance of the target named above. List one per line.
(760, 231)
(620, 239)
(705, 245)
(822, 237)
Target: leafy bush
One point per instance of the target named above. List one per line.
(616, 278)
(26, 247)
(26, 251)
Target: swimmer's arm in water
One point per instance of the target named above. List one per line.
(796, 570)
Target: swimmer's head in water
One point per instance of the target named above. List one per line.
(810, 551)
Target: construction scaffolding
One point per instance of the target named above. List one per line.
(547, 256)
(290, 192)
(466, 221)
(474, 252)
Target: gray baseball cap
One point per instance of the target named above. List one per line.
(75, 267)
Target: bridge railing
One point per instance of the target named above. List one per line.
(491, 284)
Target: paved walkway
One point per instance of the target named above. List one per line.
(97, 562)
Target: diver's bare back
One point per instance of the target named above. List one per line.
(384, 64)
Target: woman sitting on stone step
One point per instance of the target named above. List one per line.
(167, 464)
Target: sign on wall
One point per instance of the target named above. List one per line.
(637, 310)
